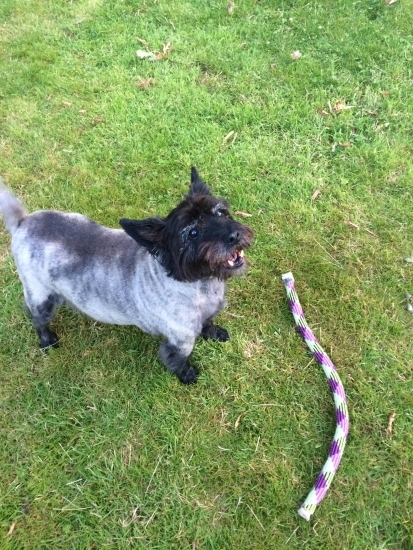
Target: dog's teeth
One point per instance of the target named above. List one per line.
(241, 253)
(231, 263)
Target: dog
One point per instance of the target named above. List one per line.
(166, 275)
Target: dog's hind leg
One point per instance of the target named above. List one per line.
(177, 362)
(214, 332)
(41, 306)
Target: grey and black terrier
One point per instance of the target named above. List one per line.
(165, 275)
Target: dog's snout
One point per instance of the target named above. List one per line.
(233, 237)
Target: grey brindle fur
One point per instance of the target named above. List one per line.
(164, 275)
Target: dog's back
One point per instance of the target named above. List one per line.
(67, 257)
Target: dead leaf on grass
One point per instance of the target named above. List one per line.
(390, 2)
(254, 349)
(226, 139)
(238, 420)
(390, 424)
(155, 56)
(97, 121)
(231, 7)
(140, 11)
(166, 48)
(144, 83)
(339, 106)
(11, 529)
(351, 224)
(134, 519)
(335, 109)
(296, 55)
(243, 214)
(141, 40)
(316, 194)
(67, 103)
(345, 144)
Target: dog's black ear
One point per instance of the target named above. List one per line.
(197, 187)
(148, 233)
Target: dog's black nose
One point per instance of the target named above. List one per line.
(233, 237)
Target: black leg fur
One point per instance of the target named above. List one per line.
(214, 332)
(48, 338)
(178, 364)
(41, 315)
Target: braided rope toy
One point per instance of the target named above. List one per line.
(330, 467)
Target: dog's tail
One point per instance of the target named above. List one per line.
(11, 208)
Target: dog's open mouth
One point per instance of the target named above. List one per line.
(235, 260)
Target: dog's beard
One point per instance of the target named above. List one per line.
(224, 262)
(207, 260)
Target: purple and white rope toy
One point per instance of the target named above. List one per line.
(329, 469)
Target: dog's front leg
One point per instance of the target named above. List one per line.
(176, 360)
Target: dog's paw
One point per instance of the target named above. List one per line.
(189, 376)
(49, 340)
(214, 332)
(221, 334)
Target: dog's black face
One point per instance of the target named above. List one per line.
(198, 239)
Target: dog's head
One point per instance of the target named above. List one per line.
(198, 239)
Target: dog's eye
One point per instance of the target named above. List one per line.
(222, 212)
(193, 233)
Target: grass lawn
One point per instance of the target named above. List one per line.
(101, 448)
